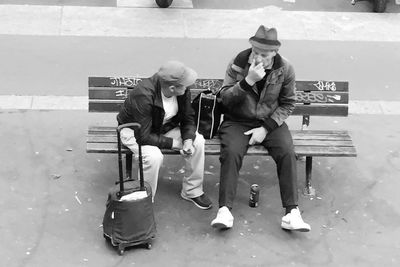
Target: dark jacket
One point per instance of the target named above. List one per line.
(243, 103)
(144, 106)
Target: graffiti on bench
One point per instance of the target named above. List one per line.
(325, 86)
(122, 93)
(124, 81)
(210, 84)
(315, 97)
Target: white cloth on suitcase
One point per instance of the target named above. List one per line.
(134, 196)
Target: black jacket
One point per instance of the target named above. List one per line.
(144, 106)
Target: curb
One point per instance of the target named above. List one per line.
(12, 102)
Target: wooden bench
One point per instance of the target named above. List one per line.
(314, 98)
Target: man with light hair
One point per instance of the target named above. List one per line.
(161, 104)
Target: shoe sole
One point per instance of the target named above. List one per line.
(197, 205)
(287, 227)
(221, 226)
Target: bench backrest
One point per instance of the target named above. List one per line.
(314, 98)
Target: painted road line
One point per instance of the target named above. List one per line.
(59, 102)
(196, 23)
(390, 107)
(8, 102)
(15, 102)
(152, 3)
(366, 107)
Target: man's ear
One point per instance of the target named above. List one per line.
(171, 88)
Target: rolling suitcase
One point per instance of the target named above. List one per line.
(129, 217)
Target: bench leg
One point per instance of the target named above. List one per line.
(128, 158)
(308, 190)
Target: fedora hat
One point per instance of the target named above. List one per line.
(265, 39)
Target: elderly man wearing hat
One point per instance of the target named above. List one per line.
(258, 95)
(161, 105)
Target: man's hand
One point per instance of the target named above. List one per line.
(188, 148)
(257, 135)
(176, 144)
(256, 73)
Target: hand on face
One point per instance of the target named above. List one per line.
(264, 56)
(256, 72)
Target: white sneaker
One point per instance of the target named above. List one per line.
(224, 219)
(293, 221)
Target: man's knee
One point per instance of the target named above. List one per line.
(152, 155)
(284, 149)
(199, 141)
(231, 152)
(287, 147)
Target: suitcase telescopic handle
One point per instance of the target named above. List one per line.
(136, 127)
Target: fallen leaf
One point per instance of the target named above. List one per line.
(56, 176)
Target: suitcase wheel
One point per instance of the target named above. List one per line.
(121, 250)
(148, 245)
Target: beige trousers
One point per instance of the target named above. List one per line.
(192, 184)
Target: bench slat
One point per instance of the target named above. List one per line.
(317, 151)
(104, 107)
(326, 152)
(314, 151)
(108, 93)
(297, 142)
(322, 97)
(322, 110)
(297, 134)
(117, 81)
(315, 110)
(96, 128)
(332, 86)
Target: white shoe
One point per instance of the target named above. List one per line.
(293, 221)
(224, 219)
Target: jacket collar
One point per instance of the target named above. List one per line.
(155, 81)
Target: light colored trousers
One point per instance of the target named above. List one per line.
(192, 184)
